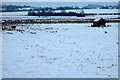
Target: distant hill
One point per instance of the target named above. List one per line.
(14, 8)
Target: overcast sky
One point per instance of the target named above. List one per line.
(60, 0)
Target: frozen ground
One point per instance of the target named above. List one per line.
(61, 51)
(22, 15)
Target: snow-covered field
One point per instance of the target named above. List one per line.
(22, 15)
(61, 51)
(85, 10)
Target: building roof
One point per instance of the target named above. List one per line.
(97, 19)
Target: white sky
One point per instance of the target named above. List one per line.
(60, 0)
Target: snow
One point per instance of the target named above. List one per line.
(101, 10)
(24, 8)
(97, 19)
(0, 54)
(14, 13)
(61, 51)
(22, 15)
(93, 10)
